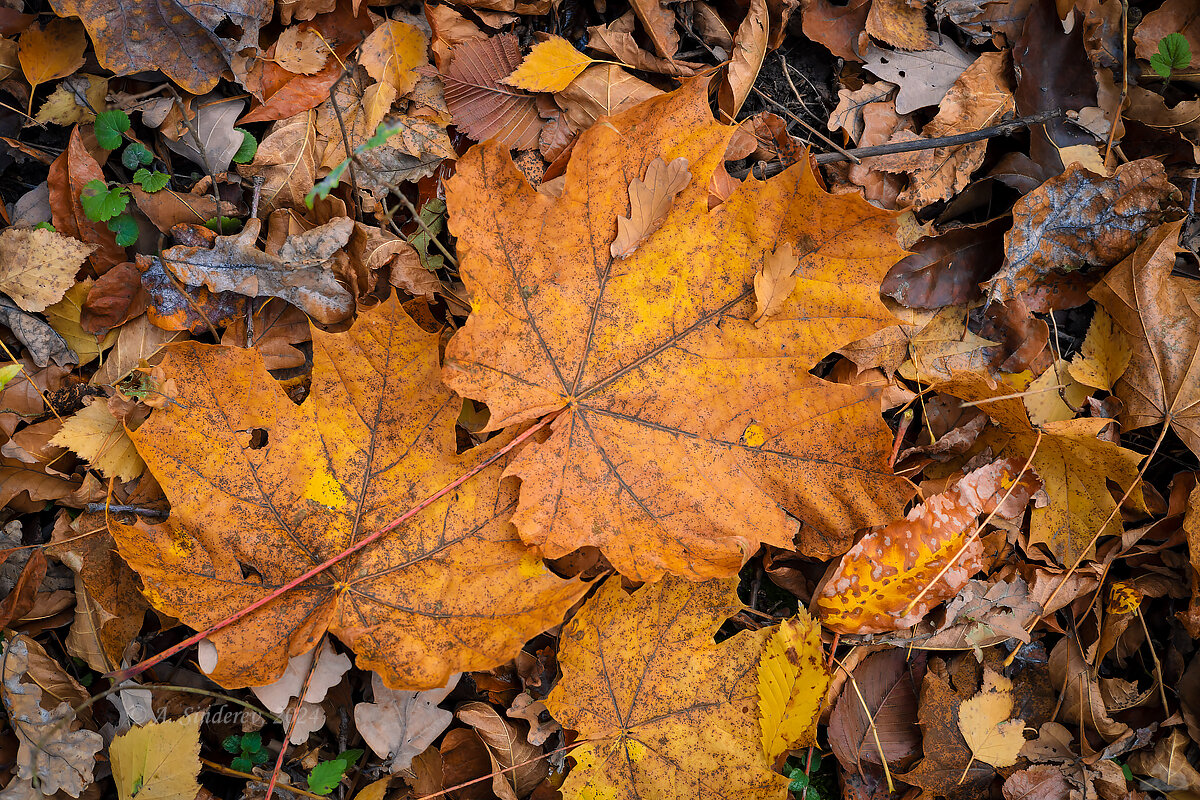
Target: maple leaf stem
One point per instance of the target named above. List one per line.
(140, 667)
(1096, 536)
(978, 529)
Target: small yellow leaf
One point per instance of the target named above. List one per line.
(1055, 395)
(64, 315)
(301, 50)
(1105, 353)
(984, 721)
(159, 760)
(37, 267)
(392, 53)
(774, 283)
(376, 790)
(550, 66)
(53, 51)
(72, 104)
(98, 436)
(792, 680)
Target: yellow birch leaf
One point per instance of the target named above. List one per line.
(37, 267)
(51, 51)
(159, 760)
(665, 712)
(550, 66)
(392, 53)
(1105, 354)
(774, 283)
(984, 721)
(792, 680)
(98, 436)
(64, 315)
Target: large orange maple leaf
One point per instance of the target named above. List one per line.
(263, 489)
(687, 436)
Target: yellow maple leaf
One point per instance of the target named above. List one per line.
(666, 712)
(985, 722)
(550, 66)
(97, 435)
(262, 490)
(1072, 462)
(686, 436)
(792, 680)
(158, 760)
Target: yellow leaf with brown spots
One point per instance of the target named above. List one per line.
(792, 680)
(664, 711)
(871, 587)
(262, 490)
(686, 436)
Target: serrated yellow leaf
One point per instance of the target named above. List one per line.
(100, 437)
(159, 760)
(550, 66)
(1105, 354)
(984, 721)
(792, 680)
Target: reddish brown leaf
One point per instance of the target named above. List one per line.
(20, 600)
(113, 299)
(68, 175)
(888, 687)
(481, 104)
(946, 270)
(838, 27)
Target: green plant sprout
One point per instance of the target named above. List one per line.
(326, 775)
(327, 184)
(247, 749)
(1173, 55)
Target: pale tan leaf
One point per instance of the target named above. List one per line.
(38, 266)
(774, 283)
(98, 436)
(985, 722)
(650, 200)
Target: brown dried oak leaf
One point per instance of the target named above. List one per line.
(1079, 219)
(262, 490)
(178, 37)
(1160, 316)
(665, 712)
(686, 435)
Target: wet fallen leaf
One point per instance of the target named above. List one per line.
(479, 100)
(392, 53)
(948, 768)
(665, 712)
(374, 391)
(53, 749)
(985, 723)
(300, 273)
(1105, 354)
(399, 725)
(881, 701)
(184, 41)
(52, 51)
(69, 173)
(99, 436)
(792, 680)
(515, 763)
(1079, 219)
(924, 77)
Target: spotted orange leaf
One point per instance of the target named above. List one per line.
(687, 436)
(871, 586)
(263, 489)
